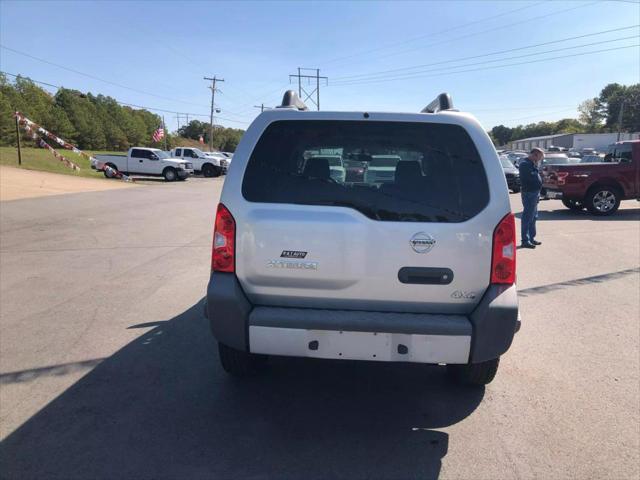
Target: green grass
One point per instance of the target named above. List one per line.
(43, 160)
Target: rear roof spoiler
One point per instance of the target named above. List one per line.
(440, 103)
(292, 100)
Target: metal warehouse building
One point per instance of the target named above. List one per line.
(599, 141)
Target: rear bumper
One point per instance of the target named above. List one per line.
(345, 334)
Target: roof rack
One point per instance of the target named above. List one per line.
(441, 102)
(292, 100)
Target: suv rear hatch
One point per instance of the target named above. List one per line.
(419, 241)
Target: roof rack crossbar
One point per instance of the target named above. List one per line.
(440, 103)
(292, 100)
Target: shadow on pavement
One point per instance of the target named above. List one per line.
(627, 214)
(161, 407)
(553, 287)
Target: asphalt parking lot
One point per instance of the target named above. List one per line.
(108, 369)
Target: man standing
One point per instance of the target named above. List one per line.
(531, 185)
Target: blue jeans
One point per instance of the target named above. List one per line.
(529, 216)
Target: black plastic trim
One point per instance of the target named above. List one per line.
(360, 321)
(494, 321)
(228, 310)
(425, 275)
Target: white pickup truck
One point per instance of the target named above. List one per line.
(210, 164)
(144, 161)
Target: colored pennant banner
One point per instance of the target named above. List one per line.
(34, 129)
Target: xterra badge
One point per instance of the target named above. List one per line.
(292, 265)
(292, 254)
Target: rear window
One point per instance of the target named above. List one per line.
(432, 172)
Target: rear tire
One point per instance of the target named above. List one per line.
(170, 174)
(603, 200)
(574, 205)
(239, 363)
(477, 374)
(106, 172)
(209, 170)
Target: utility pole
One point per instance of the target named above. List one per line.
(261, 107)
(620, 113)
(301, 89)
(213, 97)
(178, 118)
(18, 137)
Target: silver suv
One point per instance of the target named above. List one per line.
(413, 264)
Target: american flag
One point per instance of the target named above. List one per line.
(158, 134)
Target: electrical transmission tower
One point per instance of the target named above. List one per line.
(309, 95)
(213, 97)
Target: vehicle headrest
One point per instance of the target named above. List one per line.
(317, 167)
(408, 171)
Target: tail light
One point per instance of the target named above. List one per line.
(223, 254)
(503, 261)
(562, 177)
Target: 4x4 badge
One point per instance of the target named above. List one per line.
(422, 242)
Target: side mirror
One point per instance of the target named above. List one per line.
(153, 156)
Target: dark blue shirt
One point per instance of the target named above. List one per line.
(530, 179)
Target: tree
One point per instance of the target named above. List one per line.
(591, 115)
(501, 134)
(611, 98)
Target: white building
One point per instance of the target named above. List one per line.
(599, 141)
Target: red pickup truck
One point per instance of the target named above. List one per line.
(598, 187)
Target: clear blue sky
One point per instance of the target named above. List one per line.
(164, 49)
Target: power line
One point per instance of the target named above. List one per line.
(418, 73)
(574, 109)
(419, 37)
(493, 29)
(500, 66)
(88, 75)
(413, 67)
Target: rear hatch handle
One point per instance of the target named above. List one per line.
(425, 275)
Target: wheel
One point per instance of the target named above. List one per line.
(107, 172)
(209, 170)
(170, 174)
(603, 200)
(572, 204)
(474, 373)
(239, 363)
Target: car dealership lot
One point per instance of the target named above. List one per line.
(107, 368)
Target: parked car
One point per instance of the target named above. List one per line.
(557, 159)
(380, 168)
(511, 174)
(598, 187)
(599, 158)
(354, 169)
(516, 157)
(144, 161)
(553, 148)
(336, 167)
(588, 151)
(203, 162)
(418, 269)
